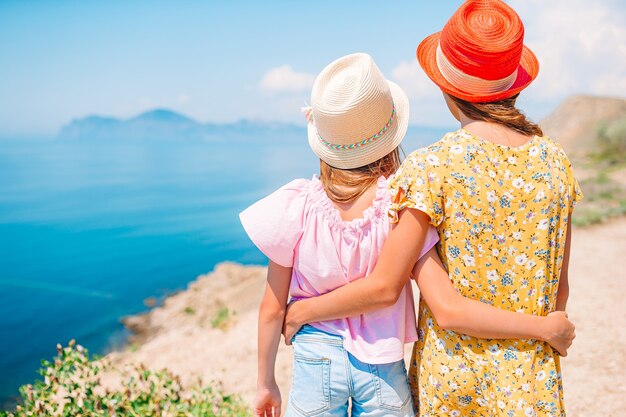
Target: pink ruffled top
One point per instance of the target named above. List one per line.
(298, 226)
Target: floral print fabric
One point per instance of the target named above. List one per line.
(502, 216)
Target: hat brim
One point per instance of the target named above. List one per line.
(373, 151)
(526, 73)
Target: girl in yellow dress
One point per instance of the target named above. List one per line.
(501, 196)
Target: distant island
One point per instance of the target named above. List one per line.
(168, 125)
(163, 124)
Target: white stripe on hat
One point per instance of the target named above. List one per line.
(469, 83)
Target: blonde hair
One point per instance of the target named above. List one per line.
(346, 185)
(502, 112)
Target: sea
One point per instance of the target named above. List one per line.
(92, 229)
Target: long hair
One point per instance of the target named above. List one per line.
(346, 185)
(502, 112)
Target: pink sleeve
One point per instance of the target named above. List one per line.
(432, 237)
(275, 222)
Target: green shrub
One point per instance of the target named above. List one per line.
(611, 143)
(221, 318)
(71, 387)
(604, 198)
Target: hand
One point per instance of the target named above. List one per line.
(267, 402)
(290, 325)
(559, 331)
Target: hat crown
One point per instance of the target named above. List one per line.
(350, 100)
(484, 39)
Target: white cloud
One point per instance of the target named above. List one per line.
(427, 104)
(581, 46)
(413, 80)
(284, 79)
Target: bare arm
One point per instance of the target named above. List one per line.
(563, 291)
(380, 289)
(271, 316)
(454, 312)
(383, 287)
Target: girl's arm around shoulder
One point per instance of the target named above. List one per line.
(378, 290)
(271, 316)
(454, 312)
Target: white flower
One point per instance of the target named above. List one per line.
(453, 385)
(539, 273)
(468, 260)
(533, 151)
(541, 375)
(501, 404)
(514, 297)
(440, 344)
(481, 401)
(519, 371)
(443, 409)
(531, 263)
(429, 322)
(512, 160)
(543, 224)
(455, 413)
(494, 349)
(432, 159)
(507, 391)
(444, 369)
(491, 196)
(526, 387)
(521, 259)
(492, 173)
(495, 252)
(464, 282)
(528, 187)
(529, 412)
(517, 235)
(541, 194)
(510, 219)
(492, 274)
(518, 182)
(456, 149)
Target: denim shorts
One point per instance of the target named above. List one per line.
(327, 380)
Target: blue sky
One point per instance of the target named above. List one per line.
(223, 61)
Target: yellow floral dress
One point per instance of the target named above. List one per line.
(502, 216)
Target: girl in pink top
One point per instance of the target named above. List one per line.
(324, 233)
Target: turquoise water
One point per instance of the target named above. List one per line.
(89, 230)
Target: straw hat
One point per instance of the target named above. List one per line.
(356, 116)
(479, 56)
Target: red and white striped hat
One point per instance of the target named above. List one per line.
(479, 56)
